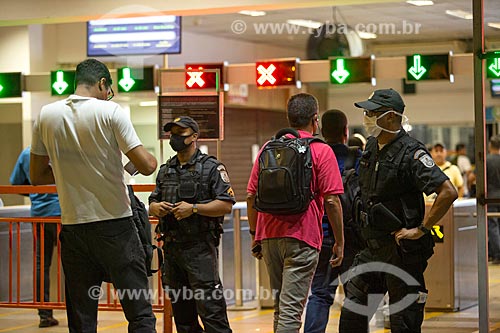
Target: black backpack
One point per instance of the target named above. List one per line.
(143, 226)
(351, 198)
(285, 172)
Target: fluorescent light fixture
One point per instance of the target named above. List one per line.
(148, 103)
(420, 2)
(460, 14)
(305, 23)
(366, 35)
(252, 12)
(495, 25)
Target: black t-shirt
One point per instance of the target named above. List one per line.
(493, 175)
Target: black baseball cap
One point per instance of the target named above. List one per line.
(383, 97)
(182, 121)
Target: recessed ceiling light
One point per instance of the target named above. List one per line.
(305, 23)
(460, 14)
(252, 12)
(495, 25)
(420, 2)
(366, 35)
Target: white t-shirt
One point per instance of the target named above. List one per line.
(464, 165)
(83, 138)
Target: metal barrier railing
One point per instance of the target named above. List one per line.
(109, 303)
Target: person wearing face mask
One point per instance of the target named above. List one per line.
(191, 197)
(395, 169)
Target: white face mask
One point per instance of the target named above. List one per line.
(373, 129)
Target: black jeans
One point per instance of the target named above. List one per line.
(95, 251)
(49, 238)
(402, 278)
(192, 279)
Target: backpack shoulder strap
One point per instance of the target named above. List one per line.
(308, 141)
(285, 131)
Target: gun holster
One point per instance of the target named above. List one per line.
(382, 218)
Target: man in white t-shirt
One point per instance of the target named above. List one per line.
(463, 163)
(78, 143)
(439, 153)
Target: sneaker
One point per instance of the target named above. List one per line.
(48, 322)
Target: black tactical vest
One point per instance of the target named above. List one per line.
(192, 185)
(390, 197)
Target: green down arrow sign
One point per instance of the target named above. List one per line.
(495, 67)
(127, 82)
(340, 74)
(60, 85)
(417, 70)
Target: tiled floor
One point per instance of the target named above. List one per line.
(466, 321)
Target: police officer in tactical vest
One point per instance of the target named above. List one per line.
(192, 195)
(395, 170)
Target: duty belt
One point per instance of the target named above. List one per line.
(378, 243)
(198, 231)
(181, 238)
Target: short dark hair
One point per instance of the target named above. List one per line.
(459, 146)
(495, 142)
(333, 124)
(300, 109)
(90, 71)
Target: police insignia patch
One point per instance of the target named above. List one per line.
(230, 192)
(223, 173)
(419, 153)
(427, 161)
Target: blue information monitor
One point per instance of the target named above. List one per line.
(147, 35)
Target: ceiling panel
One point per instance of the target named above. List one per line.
(435, 24)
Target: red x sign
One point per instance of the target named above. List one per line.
(195, 79)
(276, 73)
(266, 74)
(203, 76)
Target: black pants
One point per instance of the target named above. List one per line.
(95, 251)
(386, 271)
(192, 280)
(49, 238)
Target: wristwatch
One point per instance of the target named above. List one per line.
(252, 232)
(195, 209)
(423, 229)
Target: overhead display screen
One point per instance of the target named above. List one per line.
(148, 35)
